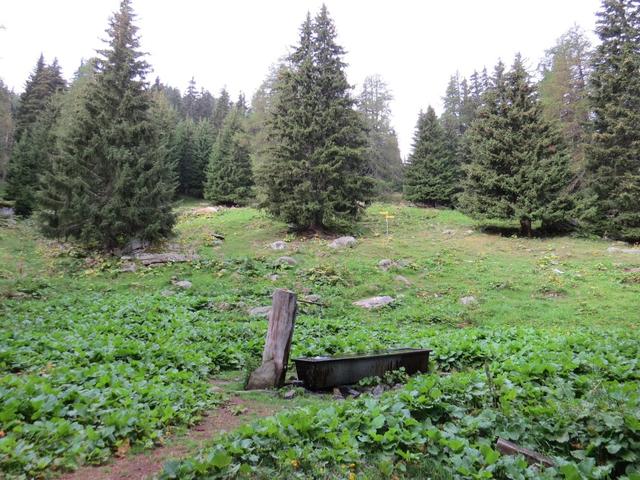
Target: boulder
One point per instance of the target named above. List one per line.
(386, 263)
(374, 302)
(273, 277)
(284, 260)
(311, 298)
(468, 300)
(128, 267)
(184, 284)
(167, 292)
(279, 245)
(343, 242)
(260, 311)
(403, 280)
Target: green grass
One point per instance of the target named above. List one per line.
(91, 357)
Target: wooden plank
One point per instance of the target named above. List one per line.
(275, 357)
(533, 458)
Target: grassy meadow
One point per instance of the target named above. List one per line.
(544, 354)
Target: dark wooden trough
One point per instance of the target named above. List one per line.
(318, 373)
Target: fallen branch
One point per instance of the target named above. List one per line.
(533, 458)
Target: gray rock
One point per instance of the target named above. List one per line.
(386, 263)
(184, 284)
(312, 298)
(284, 260)
(289, 394)
(403, 280)
(167, 293)
(632, 270)
(337, 394)
(448, 232)
(128, 267)
(6, 212)
(273, 277)
(279, 245)
(260, 311)
(374, 302)
(468, 300)
(343, 242)
(629, 251)
(557, 271)
(377, 391)
(353, 393)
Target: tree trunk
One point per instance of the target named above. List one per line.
(525, 227)
(271, 373)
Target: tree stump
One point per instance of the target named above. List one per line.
(271, 373)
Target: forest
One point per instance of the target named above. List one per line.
(143, 230)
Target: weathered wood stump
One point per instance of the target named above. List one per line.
(275, 357)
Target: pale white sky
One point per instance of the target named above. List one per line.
(414, 45)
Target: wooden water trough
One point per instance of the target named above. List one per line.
(319, 373)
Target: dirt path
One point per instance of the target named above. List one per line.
(235, 412)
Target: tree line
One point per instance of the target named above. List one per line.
(562, 152)
(102, 159)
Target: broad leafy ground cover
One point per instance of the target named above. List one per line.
(92, 359)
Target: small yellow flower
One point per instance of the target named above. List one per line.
(352, 476)
(295, 464)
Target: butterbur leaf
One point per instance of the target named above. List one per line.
(220, 459)
(377, 422)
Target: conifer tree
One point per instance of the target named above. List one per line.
(30, 158)
(221, 109)
(190, 99)
(6, 128)
(229, 176)
(433, 175)
(383, 155)
(613, 157)
(35, 118)
(519, 164)
(563, 93)
(315, 176)
(118, 181)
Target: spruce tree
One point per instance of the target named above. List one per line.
(222, 107)
(35, 118)
(190, 99)
(563, 93)
(6, 128)
(30, 158)
(119, 182)
(315, 175)
(613, 157)
(383, 155)
(433, 175)
(519, 166)
(229, 176)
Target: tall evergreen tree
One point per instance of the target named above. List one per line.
(314, 177)
(383, 155)
(34, 118)
(613, 157)
(6, 128)
(205, 105)
(519, 165)
(222, 108)
(229, 176)
(119, 183)
(190, 99)
(30, 158)
(563, 93)
(433, 174)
